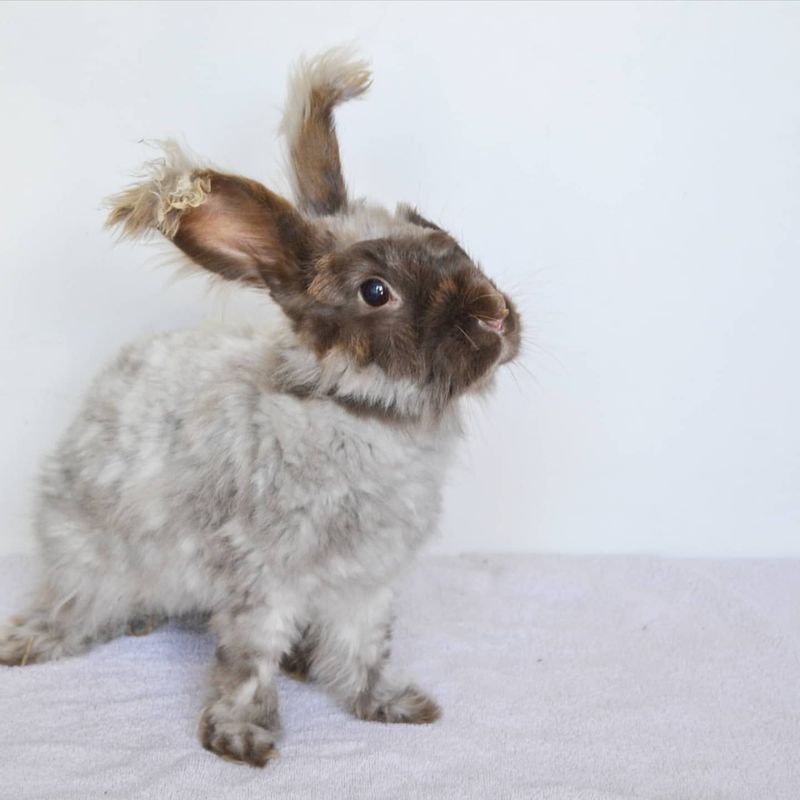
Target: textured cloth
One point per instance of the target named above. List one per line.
(567, 678)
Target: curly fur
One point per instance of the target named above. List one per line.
(171, 185)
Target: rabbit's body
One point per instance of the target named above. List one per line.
(279, 482)
(191, 481)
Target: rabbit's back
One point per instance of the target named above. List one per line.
(190, 477)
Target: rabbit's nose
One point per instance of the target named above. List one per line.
(495, 324)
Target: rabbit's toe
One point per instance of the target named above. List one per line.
(242, 742)
(24, 641)
(14, 647)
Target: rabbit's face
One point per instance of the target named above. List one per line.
(415, 306)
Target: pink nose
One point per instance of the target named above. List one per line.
(495, 324)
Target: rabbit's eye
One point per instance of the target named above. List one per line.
(375, 292)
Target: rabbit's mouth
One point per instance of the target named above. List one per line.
(503, 324)
(494, 325)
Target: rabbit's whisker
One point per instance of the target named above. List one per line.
(483, 297)
(469, 339)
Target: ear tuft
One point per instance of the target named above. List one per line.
(410, 214)
(172, 184)
(226, 224)
(331, 78)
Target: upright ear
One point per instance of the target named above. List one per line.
(316, 87)
(228, 225)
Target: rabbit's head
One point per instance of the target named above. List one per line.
(388, 311)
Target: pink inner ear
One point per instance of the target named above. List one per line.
(244, 232)
(232, 232)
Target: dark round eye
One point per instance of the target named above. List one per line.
(375, 292)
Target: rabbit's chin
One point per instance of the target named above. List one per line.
(484, 384)
(293, 368)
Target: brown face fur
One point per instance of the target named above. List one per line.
(432, 333)
(444, 329)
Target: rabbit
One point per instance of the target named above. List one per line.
(279, 482)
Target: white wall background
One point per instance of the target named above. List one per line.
(631, 171)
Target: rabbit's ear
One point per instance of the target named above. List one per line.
(411, 214)
(316, 87)
(229, 225)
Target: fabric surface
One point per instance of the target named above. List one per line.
(560, 677)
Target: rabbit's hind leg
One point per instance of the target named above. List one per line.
(62, 623)
(79, 601)
(36, 636)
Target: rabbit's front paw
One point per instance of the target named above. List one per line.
(410, 706)
(242, 742)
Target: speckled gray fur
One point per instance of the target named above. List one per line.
(188, 483)
(272, 481)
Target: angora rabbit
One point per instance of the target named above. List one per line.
(280, 483)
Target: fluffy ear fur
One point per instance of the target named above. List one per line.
(316, 87)
(226, 224)
(412, 215)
